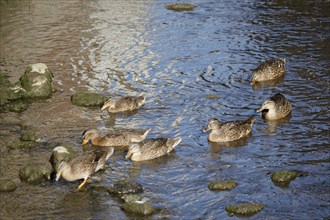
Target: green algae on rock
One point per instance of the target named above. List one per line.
(88, 99)
(22, 145)
(221, 185)
(34, 174)
(244, 209)
(29, 137)
(125, 186)
(180, 7)
(137, 205)
(283, 178)
(7, 186)
(36, 82)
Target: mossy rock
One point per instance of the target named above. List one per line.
(22, 145)
(125, 187)
(18, 106)
(34, 174)
(283, 178)
(29, 137)
(244, 209)
(7, 93)
(88, 99)
(144, 209)
(7, 186)
(180, 7)
(36, 85)
(221, 185)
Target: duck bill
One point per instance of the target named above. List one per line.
(206, 129)
(84, 141)
(103, 108)
(128, 155)
(259, 110)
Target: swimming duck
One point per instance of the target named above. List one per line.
(115, 138)
(83, 165)
(126, 103)
(275, 107)
(152, 148)
(269, 70)
(229, 131)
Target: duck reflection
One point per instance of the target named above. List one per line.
(273, 124)
(217, 147)
(261, 85)
(152, 165)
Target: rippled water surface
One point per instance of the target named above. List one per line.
(193, 66)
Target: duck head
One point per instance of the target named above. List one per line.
(213, 124)
(133, 150)
(89, 135)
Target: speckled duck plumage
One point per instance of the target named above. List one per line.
(83, 165)
(275, 107)
(269, 70)
(126, 103)
(117, 138)
(152, 148)
(229, 131)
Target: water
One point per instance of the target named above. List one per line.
(179, 60)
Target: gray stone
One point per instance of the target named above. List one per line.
(7, 186)
(125, 187)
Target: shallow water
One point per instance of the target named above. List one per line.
(180, 60)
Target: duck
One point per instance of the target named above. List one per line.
(152, 148)
(269, 70)
(83, 165)
(275, 107)
(229, 131)
(122, 104)
(116, 138)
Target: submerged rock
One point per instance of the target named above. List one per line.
(60, 153)
(7, 186)
(137, 208)
(125, 187)
(18, 106)
(180, 7)
(88, 99)
(34, 174)
(244, 209)
(283, 178)
(36, 82)
(19, 145)
(220, 185)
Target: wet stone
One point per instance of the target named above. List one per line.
(244, 209)
(7, 186)
(36, 82)
(138, 208)
(34, 174)
(125, 187)
(221, 185)
(180, 7)
(283, 178)
(87, 99)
